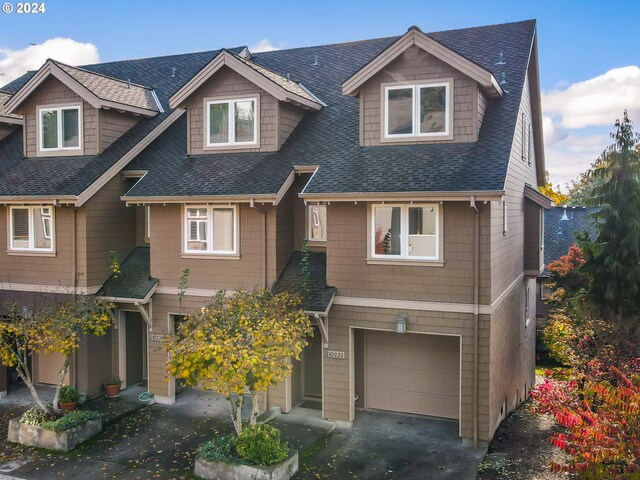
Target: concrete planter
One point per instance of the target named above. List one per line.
(224, 471)
(63, 441)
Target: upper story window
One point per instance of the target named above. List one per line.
(60, 128)
(404, 231)
(317, 223)
(211, 229)
(232, 122)
(31, 228)
(421, 110)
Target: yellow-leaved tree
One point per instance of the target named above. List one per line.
(240, 342)
(47, 329)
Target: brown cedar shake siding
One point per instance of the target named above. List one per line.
(417, 65)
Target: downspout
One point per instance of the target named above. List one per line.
(264, 242)
(476, 301)
(74, 285)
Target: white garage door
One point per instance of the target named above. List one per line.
(413, 373)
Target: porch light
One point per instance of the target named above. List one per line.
(401, 324)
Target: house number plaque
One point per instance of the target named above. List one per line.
(335, 354)
(156, 337)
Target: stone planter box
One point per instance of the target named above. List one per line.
(224, 471)
(63, 441)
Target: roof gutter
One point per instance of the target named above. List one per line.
(194, 199)
(461, 196)
(38, 200)
(134, 301)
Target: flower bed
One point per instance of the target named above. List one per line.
(36, 429)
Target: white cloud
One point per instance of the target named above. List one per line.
(597, 101)
(574, 154)
(578, 117)
(14, 63)
(263, 45)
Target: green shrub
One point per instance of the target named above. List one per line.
(35, 416)
(68, 394)
(70, 420)
(220, 449)
(261, 445)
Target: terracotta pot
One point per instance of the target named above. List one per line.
(69, 406)
(112, 390)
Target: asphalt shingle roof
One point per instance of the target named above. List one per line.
(5, 96)
(134, 279)
(318, 295)
(330, 137)
(112, 89)
(560, 226)
(59, 176)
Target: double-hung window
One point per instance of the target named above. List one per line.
(232, 122)
(211, 229)
(60, 128)
(406, 231)
(31, 228)
(317, 223)
(422, 110)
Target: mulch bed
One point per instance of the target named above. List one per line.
(520, 448)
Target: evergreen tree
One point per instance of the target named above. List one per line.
(613, 256)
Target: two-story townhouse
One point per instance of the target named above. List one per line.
(408, 164)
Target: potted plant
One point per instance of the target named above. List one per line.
(68, 399)
(112, 387)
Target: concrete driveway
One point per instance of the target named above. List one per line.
(387, 446)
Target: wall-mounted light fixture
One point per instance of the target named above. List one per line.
(401, 324)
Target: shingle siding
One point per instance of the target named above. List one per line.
(113, 125)
(417, 65)
(228, 84)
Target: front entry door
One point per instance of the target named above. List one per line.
(312, 367)
(135, 341)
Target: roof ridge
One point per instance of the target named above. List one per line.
(91, 72)
(215, 50)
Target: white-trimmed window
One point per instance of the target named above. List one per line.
(211, 229)
(405, 231)
(421, 110)
(60, 128)
(31, 228)
(232, 122)
(317, 223)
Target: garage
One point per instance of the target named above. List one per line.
(412, 373)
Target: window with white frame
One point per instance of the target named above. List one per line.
(317, 223)
(31, 228)
(421, 110)
(406, 231)
(211, 229)
(232, 122)
(60, 128)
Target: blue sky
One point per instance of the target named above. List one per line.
(578, 42)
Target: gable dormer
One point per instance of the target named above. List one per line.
(70, 111)
(236, 105)
(419, 91)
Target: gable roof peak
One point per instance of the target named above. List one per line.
(415, 36)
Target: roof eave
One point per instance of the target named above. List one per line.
(38, 199)
(11, 120)
(195, 199)
(462, 196)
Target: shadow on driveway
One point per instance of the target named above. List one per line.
(392, 446)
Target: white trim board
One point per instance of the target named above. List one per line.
(61, 289)
(426, 306)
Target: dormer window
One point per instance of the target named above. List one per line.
(417, 110)
(60, 128)
(232, 122)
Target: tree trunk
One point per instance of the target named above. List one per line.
(255, 407)
(235, 410)
(63, 373)
(23, 373)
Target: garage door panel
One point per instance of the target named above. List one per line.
(413, 373)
